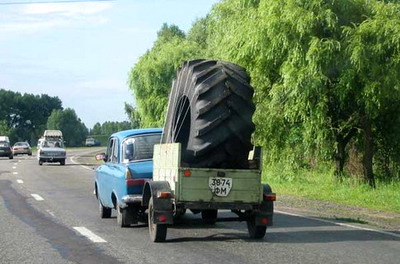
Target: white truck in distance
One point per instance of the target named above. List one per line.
(51, 147)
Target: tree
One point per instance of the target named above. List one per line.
(74, 131)
(322, 69)
(133, 115)
(151, 77)
(26, 114)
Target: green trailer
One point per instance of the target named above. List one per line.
(176, 188)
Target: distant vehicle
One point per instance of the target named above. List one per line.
(4, 138)
(91, 142)
(128, 165)
(5, 149)
(51, 147)
(22, 148)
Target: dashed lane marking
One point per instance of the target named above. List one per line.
(340, 224)
(15, 173)
(14, 167)
(51, 213)
(89, 234)
(37, 197)
(20, 181)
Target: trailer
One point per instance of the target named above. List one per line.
(176, 188)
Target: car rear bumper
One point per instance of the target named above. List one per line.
(131, 199)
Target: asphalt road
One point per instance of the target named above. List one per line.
(48, 214)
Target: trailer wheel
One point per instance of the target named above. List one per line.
(122, 216)
(158, 232)
(105, 212)
(255, 231)
(209, 216)
(210, 113)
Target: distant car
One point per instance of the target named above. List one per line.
(5, 150)
(128, 165)
(91, 142)
(22, 148)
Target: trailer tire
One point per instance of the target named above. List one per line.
(210, 113)
(209, 216)
(157, 232)
(255, 231)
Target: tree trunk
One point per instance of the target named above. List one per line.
(368, 152)
(340, 157)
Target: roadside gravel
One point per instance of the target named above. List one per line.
(385, 220)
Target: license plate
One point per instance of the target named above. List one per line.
(220, 186)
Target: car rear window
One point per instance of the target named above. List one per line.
(139, 147)
(4, 144)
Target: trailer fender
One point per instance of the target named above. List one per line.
(161, 194)
(266, 206)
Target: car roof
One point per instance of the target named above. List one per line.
(132, 132)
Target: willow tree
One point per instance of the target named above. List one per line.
(322, 69)
(151, 77)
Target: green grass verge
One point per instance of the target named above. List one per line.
(320, 184)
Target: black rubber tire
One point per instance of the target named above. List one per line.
(122, 216)
(255, 231)
(210, 113)
(105, 212)
(157, 232)
(62, 162)
(11, 157)
(209, 216)
(40, 162)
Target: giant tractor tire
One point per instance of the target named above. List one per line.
(210, 113)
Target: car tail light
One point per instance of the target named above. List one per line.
(187, 173)
(135, 182)
(264, 221)
(162, 218)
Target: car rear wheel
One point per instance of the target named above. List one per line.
(40, 162)
(105, 212)
(122, 216)
(11, 157)
(62, 162)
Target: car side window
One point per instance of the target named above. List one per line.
(110, 149)
(114, 155)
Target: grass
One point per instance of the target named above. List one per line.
(320, 184)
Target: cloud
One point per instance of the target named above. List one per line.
(66, 9)
(33, 18)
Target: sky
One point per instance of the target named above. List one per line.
(83, 52)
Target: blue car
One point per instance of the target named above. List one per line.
(128, 165)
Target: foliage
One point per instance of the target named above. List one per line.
(74, 131)
(110, 127)
(151, 77)
(134, 116)
(323, 70)
(23, 117)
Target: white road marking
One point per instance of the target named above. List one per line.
(15, 164)
(340, 224)
(51, 213)
(83, 166)
(20, 181)
(15, 173)
(14, 167)
(37, 197)
(89, 234)
(19, 161)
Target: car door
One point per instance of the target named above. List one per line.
(106, 172)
